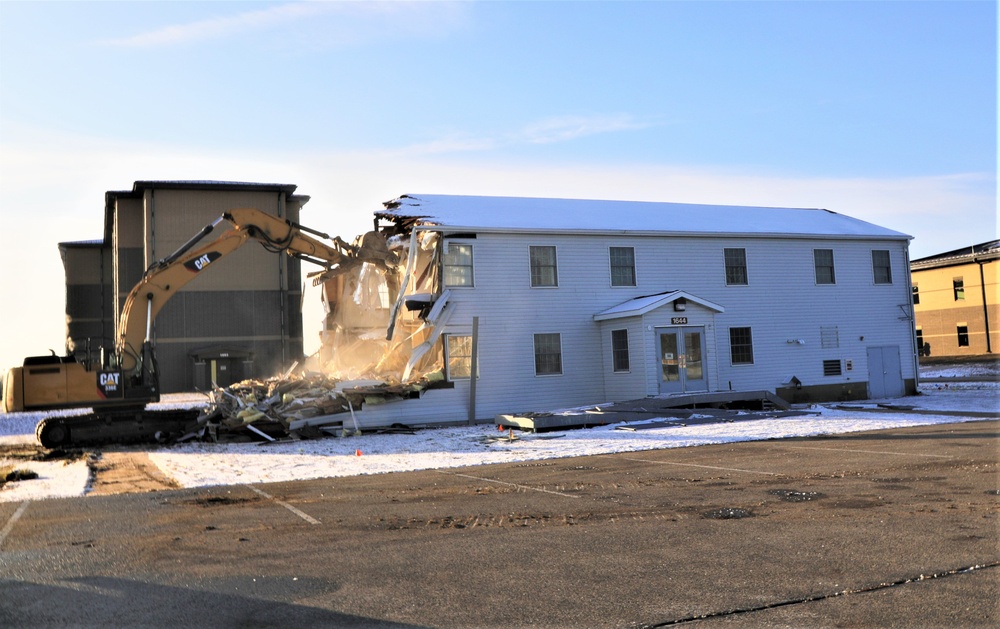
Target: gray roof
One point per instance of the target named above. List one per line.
(140, 186)
(576, 215)
(989, 250)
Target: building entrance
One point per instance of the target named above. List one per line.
(681, 354)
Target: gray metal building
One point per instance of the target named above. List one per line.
(241, 320)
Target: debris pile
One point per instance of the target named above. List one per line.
(306, 406)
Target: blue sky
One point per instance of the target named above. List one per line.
(885, 111)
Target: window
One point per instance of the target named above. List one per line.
(736, 267)
(831, 368)
(829, 337)
(823, 258)
(619, 349)
(741, 346)
(880, 266)
(916, 295)
(543, 266)
(963, 335)
(457, 264)
(622, 266)
(921, 350)
(958, 286)
(459, 350)
(548, 354)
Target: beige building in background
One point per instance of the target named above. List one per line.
(956, 301)
(242, 319)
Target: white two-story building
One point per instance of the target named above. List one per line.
(576, 302)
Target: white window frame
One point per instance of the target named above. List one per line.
(833, 268)
(888, 267)
(448, 357)
(752, 358)
(448, 244)
(628, 356)
(746, 266)
(534, 354)
(555, 266)
(612, 267)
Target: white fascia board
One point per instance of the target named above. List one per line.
(444, 229)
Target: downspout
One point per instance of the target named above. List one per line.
(473, 376)
(104, 312)
(913, 316)
(986, 310)
(152, 226)
(152, 241)
(283, 291)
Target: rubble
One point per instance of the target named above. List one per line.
(386, 309)
(300, 406)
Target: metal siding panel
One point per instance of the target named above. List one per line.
(177, 368)
(180, 214)
(220, 314)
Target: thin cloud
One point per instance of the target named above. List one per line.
(357, 20)
(547, 131)
(218, 27)
(564, 128)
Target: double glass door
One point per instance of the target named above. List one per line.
(682, 353)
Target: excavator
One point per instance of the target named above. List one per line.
(118, 387)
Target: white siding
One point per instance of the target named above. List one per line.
(628, 385)
(781, 303)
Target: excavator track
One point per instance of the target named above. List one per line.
(121, 426)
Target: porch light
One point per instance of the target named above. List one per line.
(680, 305)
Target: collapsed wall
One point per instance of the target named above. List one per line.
(385, 312)
(383, 316)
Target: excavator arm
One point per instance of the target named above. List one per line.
(119, 390)
(167, 276)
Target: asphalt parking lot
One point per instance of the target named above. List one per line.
(885, 528)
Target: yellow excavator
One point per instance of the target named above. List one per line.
(119, 386)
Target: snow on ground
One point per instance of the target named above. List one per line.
(204, 464)
(979, 370)
(56, 479)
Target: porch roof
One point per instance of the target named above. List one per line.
(641, 305)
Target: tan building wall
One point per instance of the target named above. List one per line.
(89, 298)
(958, 302)
(241, 320)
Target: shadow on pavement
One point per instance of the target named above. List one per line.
(116, 602)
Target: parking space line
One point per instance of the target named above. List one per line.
(707, 467)
(500, 482)
(305, 516)
(14, 518)
(936, 456)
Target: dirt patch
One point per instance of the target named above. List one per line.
(127, 473)
(35, 452)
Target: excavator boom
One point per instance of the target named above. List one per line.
(119, 390)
